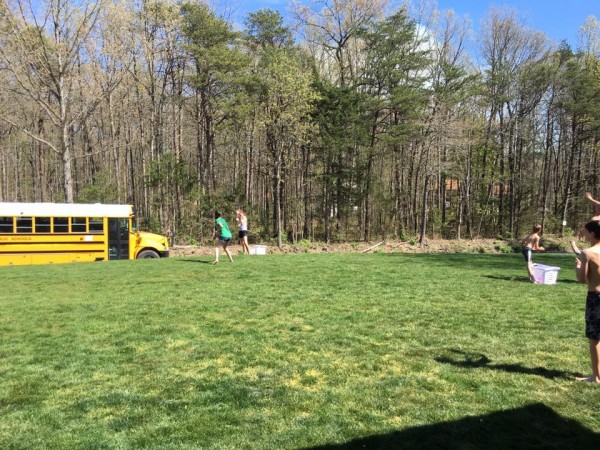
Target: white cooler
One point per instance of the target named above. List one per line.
(545, 274)
(259, 250)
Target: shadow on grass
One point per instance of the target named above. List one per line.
(477, 260)
(493, 261)
(195, 261)
(525, 279)
(506, 278)
(532, 426)
(479, 360)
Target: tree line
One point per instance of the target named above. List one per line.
(349, 120)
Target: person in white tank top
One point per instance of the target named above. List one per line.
(242, 222)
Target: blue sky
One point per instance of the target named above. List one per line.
(559, 19)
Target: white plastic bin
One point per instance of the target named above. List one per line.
(259, 250)
(545, 274)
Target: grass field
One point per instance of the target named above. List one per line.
(332, 351)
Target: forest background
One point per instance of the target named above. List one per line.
(349, 121)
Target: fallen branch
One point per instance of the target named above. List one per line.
(372, 247)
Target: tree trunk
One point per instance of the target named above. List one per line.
(424, 211)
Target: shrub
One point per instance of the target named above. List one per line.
(503, 247)
(284, 239)
(304, 245)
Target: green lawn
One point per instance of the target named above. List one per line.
(295, 352)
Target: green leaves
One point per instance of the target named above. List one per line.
(265, 29)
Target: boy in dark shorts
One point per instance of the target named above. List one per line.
(530, 244)
(587, 267)
(242, 221)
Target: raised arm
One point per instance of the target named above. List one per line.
(588, 196)
(581, 265)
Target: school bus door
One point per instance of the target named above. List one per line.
(118, 238)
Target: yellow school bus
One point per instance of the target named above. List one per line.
(45, 233)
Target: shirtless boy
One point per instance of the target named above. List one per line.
(587, 267)
(530, 244)
(588, 196)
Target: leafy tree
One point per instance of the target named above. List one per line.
(339, 116)
(577, 113)
(285, 102)
(219, 73)
(265, 30)
(395, 81)
(510, 50)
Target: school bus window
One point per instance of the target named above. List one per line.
(96, 225)
(124, 229)
(6, 225)
(78, 225)
(61, 224)
(24, 224)
(42, 224)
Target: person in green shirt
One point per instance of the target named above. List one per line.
(224, 234)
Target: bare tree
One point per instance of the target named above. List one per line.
(510, 51)
(44, 54)
(332, 27)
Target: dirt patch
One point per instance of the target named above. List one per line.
(431, 246)
(552, 244)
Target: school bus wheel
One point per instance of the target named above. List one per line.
(145, 254)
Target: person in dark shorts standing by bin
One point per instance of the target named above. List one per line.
(587, 266)
(242, 222)
(224, 234)
(530, 244)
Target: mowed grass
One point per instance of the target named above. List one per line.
(295, 351)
